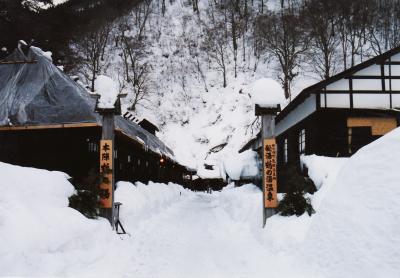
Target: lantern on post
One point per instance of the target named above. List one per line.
(108, 104)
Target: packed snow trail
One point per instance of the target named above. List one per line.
(197, 238)
(179, 233)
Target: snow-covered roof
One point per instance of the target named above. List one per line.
(266, 92)
(38, 93)
(204, 173)
(242, 165)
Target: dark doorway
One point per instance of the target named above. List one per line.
(359, 137)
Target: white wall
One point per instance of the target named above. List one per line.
(337, 101)
(342, 84)
(371, 70)
(367, 84)
(371, 101)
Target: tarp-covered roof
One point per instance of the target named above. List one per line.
(40, 94)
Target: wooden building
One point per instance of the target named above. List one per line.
(339, 115)
(49, 121)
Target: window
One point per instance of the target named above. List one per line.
(285, 151)
(93, 147)
(129, 158)
(302, 141)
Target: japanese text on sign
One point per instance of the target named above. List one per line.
(270, 179)
(106, 173)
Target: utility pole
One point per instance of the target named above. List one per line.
(269, 184)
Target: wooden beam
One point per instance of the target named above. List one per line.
(360, 92)
(54, 126)
(390, 84)
(351, 93)
(392, 63)
(259, 111)
(372, 77)
(18, 62)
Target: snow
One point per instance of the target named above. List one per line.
(40, 234)
(174, 232)
(108, 91)
(241, 165)
(186, 95)
(204, 173)
(47, 54)
(356, 231)
(267, 92)
(320, 168)
(43, 6)
(141, 201)
(58, 2)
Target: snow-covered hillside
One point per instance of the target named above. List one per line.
(178, 233)
(186, 97)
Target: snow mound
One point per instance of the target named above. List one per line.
(108, 91)
(40, 234)
(140, 201)
(321, 167)
(356, 231)
(241, 165)
(267, 92)
(242, 204)
(42, 237)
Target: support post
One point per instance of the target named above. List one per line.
(107, 149)
(107, 167)
(269, 153)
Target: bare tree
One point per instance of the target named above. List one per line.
(321, 19)
(136, 69)
(353, 19)
(91, 49)
(384, 30)
(216, 45)
(282, 36)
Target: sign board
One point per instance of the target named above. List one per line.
(269, 174)
(106, 173)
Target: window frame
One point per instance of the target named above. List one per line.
(302, 141)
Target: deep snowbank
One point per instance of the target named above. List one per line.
(39, 233)
(356, 230)
(140, 201)
(243, 204)
(41, 236)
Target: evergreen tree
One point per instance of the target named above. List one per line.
(294, 202)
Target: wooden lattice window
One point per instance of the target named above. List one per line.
(302, 141)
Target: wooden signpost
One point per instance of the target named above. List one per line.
(270, 178)
(270, 181)
(107, 167)
(107, 183)
(106, 174)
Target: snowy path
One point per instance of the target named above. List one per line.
(197, 238)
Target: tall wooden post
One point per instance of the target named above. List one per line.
(107, 149)
(269, 154)
(107, 170)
